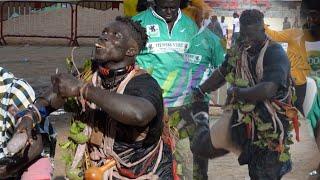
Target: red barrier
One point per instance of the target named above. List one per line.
(81, 26)
(26, 16)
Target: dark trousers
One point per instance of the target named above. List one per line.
(234, 38)
(200, 164)
(300, 93)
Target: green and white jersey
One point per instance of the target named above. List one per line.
(205, 54)
(164, 53)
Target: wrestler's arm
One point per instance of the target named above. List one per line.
(215, 81)
(130, 110)
(259, 92)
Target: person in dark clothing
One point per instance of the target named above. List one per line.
(286, 24)
(215, 27)
(254, 125)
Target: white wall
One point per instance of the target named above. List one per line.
(275, 23)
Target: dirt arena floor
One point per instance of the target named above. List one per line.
(36, 64)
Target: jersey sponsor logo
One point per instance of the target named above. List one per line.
(313, 52)
(314, 62)
(192, 58)
(153, 30)
(168, 46)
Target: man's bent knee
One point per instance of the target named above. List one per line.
(202, 145)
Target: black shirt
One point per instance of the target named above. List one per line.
(146, 87)
(276, 68)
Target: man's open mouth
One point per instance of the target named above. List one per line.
(168, 17)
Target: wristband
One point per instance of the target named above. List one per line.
(36, 114)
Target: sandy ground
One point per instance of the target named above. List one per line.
(36, 64)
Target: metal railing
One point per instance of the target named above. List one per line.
(36, 19)
(88, 22)
(68, 20)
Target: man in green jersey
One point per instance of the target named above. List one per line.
(170, 32)
(179, 57)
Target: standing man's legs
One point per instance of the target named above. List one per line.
(300, 93)
(234, 38)
(200, 164)
(186, 125)
(200, 167)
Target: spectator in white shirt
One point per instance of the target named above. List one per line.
(236, 28)
(224, 27)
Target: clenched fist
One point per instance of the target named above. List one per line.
(66, 85)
